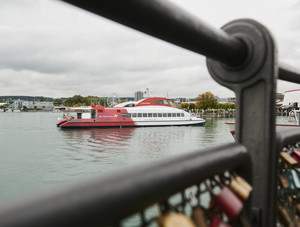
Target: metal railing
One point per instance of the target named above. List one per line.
(240, 56)
(106, 200)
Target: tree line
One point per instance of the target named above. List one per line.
(78, 100)
(206, 101)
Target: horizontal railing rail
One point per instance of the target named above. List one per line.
(105, 200)
(287, 137)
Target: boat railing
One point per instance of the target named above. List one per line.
(242, 56)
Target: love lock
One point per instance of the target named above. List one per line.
(227, 201)
(240, 187)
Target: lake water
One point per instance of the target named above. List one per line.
(37, 155)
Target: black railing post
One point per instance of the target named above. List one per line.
(255, 85)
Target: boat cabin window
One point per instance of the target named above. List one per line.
(139, 114)
(123, 114)
(169, 115)
(133, 114)
(166, 102)
(182, 114)
(149, 114)
(164, 114)
(154, 114)
(173, 114)
(159, 101)
(159, 114)
(129, 115)
(93, 112)
(144, 114)
(130, 105)
(79, 115)
(178, 114)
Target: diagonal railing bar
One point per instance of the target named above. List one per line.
(166, 21)
(102, 201)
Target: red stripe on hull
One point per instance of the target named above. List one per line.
(97, 124)
(60, 123)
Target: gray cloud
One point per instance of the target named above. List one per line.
(49, 48)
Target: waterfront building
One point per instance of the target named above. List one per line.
(138, 95)
(21, 104)
(225, 100)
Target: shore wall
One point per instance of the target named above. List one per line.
(225, 113)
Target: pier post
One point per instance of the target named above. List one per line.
(254, 83)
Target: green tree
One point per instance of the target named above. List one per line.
(75, 100)
(78, 100)
(226, 106)
(42, 99)
(184, 105)
(206, 101)
(57, 102)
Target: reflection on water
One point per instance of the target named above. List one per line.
(32, 146)
(143, 144)
(98, 139)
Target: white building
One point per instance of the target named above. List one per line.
(19, 104)
(138, 95)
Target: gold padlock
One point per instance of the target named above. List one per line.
(175, 220)
(298, 209)
(240, 187)
(289, 160)
(284, 181)
(284, 216)
(244, 183)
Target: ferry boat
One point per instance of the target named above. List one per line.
(152, 111)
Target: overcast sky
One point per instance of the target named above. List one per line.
(52, 49)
